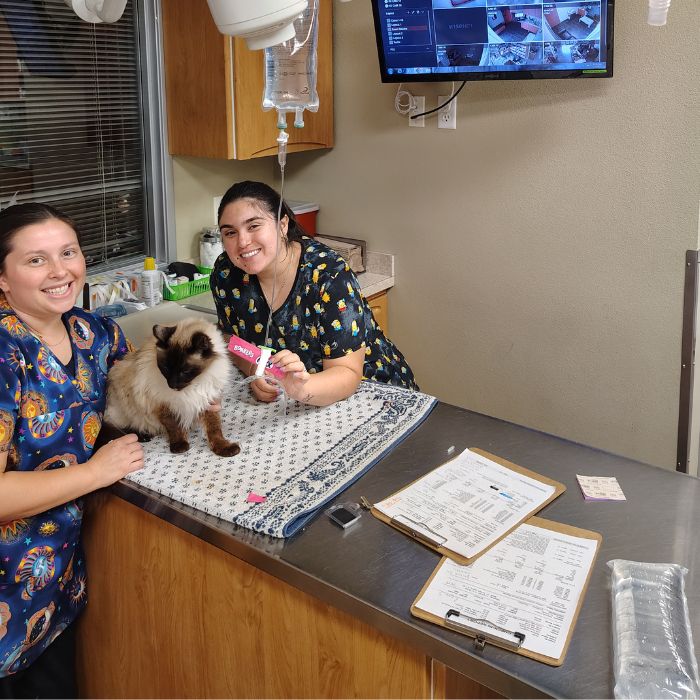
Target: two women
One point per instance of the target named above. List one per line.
(54, 359)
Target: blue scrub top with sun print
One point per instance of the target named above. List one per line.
(49, 419)
(325, 315)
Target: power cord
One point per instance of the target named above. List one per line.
(439, 107)
(405, 107)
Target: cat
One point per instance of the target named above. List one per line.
(168, 384)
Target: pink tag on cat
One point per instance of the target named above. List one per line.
(248, 351)
(254, 498)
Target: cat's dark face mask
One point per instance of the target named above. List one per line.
(182, 360)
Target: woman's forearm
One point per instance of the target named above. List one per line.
(23, 494)
(26, 493)
(329, 386)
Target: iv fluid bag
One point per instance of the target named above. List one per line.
(290, 69)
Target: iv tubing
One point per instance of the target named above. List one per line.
(282, 159)
(266, 350)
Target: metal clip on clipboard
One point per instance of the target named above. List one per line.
(434, 539)
(497, 635)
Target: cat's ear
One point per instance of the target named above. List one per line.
(202, 344)
(163, 334)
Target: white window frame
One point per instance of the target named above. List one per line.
(158, 177)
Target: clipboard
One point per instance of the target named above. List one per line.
(435, 541)
(503, 637)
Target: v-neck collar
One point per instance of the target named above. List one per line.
(292, 290)
(69, 367)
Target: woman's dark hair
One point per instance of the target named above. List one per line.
(268, 199)
(15, 218)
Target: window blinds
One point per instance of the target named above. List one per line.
(71, 132)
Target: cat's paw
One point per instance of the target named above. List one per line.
(226, 449)
(179, 447)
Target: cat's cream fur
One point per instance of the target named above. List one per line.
(138, 395)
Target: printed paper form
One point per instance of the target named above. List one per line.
(467, 504)
(530, 582)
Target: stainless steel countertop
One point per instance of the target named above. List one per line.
(373, 572)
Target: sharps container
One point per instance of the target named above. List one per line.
(305, 213)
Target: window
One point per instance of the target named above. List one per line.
(73, 128)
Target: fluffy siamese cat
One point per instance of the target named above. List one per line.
(167, 385)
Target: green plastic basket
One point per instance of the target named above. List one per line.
(186, 289)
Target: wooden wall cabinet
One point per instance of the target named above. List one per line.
(214, 86)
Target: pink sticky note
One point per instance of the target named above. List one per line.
(255, 498)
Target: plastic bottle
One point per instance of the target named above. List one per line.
(151, 283)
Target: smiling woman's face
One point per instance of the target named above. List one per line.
(249, 235)
(44, 272)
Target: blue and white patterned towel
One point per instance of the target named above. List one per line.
(298, 461)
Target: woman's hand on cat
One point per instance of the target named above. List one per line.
(116, 459)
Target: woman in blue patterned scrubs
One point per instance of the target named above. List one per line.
(323, 330)
(54, 359)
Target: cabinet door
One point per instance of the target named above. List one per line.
(197, 61)
(380, 308)
(214, 86)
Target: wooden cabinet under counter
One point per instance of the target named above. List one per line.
(214, 86)
(379, 303)
(171, 615)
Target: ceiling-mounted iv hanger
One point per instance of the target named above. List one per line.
(97, 11)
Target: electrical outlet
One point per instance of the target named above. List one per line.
(447, 115)
(419, 106)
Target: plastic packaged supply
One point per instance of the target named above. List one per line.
(111, 311)
(290, 70)
(210, 246)
(151, 286)
(652, 638)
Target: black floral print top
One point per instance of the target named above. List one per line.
(325, 315)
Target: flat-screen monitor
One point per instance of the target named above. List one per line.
(429, 40)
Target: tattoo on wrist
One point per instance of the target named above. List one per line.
(307, 398)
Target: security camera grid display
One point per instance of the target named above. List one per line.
(472, 36)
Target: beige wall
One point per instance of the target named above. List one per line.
(542, 242)
(196, 182)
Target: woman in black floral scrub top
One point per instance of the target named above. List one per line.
(323, 330)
